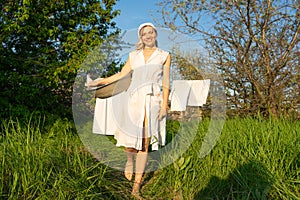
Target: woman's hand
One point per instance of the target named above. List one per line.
(96, 83)
(162, 113)
(91, 84)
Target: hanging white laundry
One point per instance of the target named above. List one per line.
(179, 95)
(104, 119)
(188, 93)
(198, 93)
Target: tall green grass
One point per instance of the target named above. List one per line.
(253, 159)
(48, 161)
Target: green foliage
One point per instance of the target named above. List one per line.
(46, 160)
(253, 159)
(43, 44)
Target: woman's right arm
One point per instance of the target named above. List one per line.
(125, 70)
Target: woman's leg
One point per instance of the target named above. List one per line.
(141, 160)
(130, 152)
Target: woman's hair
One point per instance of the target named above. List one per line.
(140, 45)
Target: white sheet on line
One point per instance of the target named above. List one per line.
(188, 93)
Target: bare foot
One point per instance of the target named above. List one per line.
(136, 190)
(128, 170)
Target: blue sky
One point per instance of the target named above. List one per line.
(135, 12)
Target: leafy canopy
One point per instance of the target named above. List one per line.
(43, 43)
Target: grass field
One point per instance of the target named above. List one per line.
(253, 159)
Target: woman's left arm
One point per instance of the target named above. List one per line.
(165, 88)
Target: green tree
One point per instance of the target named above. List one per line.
(254, 44)
(43, 43)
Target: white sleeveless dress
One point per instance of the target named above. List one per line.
(143, 98)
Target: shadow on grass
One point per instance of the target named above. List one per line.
(248, 181)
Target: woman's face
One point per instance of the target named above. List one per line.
(148, 36)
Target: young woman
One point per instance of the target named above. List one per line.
(145, 102)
